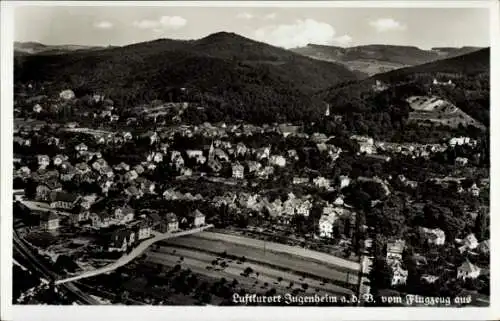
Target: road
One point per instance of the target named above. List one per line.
(132, 255)
(44, 272)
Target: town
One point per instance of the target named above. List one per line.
(102, 189)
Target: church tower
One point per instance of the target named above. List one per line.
(211, 152)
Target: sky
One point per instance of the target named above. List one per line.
(279, 26)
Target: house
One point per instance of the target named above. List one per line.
(49, 221)
(82, 168)
(429, 278)
(124, 214)
(461, 161)
(143, 230)
(318, 138)
(63, 200)
(326, 225)
(266, 172)
(99, 164)
(172, 222)
(164, 148)
(43, 190)
(120, 240)
(105, 185)
(339, 201)
(344, 181)
(105, 113)
(101, 219)
(395, 251)
(277, 160)
(156, 157)
(146, 185)
(263, 153)
(286, 129)
(87, 201)
(186, 171)
(459, 141)
(221, 155)
(67, 94)
(107, 172)
(122, 167)
(253, 166)
(469, 243)
(289, 207)
(484, 247)
(81, 147)
(170, 194)
(292, 154)
(178, 162)
(304, 208)
(37, 108)
(133, 191)
(474, 190)
(59, 159)
(157, 223)
(241, 149)
(24, 171)
(238, 170)
(192, 153)
(365, 144)
(275, 208)
(138, 169)
(152, 136)
(131, 175)
(43, 161)
(196, 218)
(80, 214)
(468, 271)
(321, 182)
(399, 275)
(67, 171)
(300, 180)
(434, 236)
(214, 165)
(127, 136)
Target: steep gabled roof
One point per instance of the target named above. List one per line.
(468, 267)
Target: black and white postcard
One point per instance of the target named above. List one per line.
(224, 157)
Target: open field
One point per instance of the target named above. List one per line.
(200, 262)
(278, 256)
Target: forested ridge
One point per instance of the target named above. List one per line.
(236, 78)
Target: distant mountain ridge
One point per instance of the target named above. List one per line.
(373, 59)
(33, 48)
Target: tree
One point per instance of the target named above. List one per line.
(380, 275)
(482, 225)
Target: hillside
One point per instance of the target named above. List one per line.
(385, 112)
(373, 59)
(235, 75)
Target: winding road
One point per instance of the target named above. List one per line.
(132, 255)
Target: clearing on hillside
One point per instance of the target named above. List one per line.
(437, 110)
